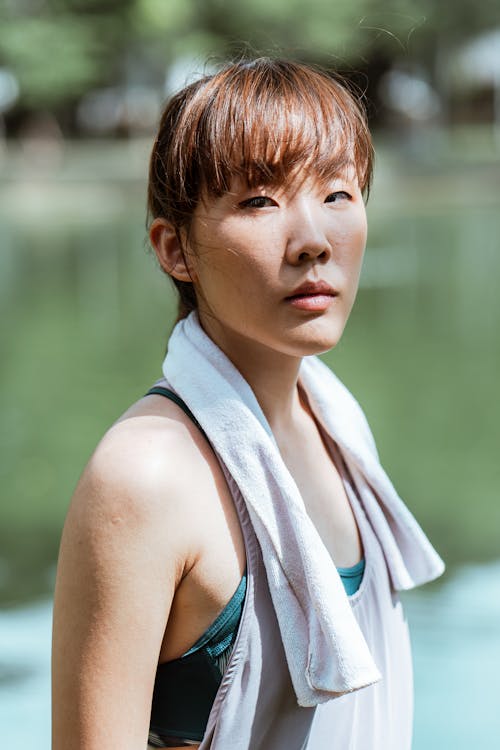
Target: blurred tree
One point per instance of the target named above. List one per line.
(447, 26)
(53, 59)
(320, 30)
(460, 19)
(60, 49)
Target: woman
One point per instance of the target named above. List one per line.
(230, 560)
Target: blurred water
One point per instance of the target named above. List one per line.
(88, 317)
(25, 636)
(456, 643)
(456, 651)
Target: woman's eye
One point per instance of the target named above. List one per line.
(339, 195)
(258, 201)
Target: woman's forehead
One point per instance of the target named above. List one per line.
(280, 150)
(305, 173)
(276, 151)
(288, 175)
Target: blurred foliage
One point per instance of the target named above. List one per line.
(59, 49)
(71, 67)
(459, 19)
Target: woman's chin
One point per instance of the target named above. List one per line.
(317, 337)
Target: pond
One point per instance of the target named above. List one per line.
(86, 318)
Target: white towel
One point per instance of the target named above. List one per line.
(325, 649)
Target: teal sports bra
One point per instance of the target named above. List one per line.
(185, 688)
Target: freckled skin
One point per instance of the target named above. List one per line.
(250, 249)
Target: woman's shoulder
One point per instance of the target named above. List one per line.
(147, 470)
(154, 440)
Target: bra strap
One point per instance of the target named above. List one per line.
(167, 393)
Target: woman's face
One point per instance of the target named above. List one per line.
(278, 268)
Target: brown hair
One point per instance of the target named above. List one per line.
(262, 120)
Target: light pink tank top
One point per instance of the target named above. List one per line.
(256, 708)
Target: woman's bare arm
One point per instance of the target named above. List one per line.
(125, 547)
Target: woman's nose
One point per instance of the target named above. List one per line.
(307, 237)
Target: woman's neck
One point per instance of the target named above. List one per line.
(274, 383)
(272, 376)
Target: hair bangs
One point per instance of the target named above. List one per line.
(269, 126)
(265, 121)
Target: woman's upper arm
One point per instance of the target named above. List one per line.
(123, 551)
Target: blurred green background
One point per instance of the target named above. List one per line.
(86, 313)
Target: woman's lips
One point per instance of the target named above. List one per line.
(311, 302)
(313, 297)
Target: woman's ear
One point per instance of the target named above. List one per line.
(169, 251)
